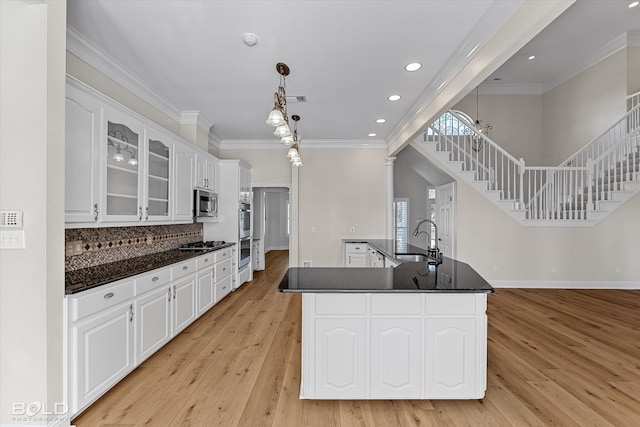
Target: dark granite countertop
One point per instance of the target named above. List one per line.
(408, 277)
(92, 277)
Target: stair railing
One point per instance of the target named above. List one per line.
(562, 192)
(629, 124)
(453, 133)
(619, 164)
(633, 100)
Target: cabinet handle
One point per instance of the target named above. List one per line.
(224, 268)
(155, 279)
(174, 292)
(95, 212)
(131, 313)
(349, 259)
(109, 295)
(185, 267)
(169, 295)
(140, 213)
(206, 260)
(146, 210)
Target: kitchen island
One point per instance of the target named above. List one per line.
(417, 331)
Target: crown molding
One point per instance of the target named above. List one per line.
(214, 141)
(83, 48)
(587, 61)
(307, 144)
(510, 89)
(195, 118)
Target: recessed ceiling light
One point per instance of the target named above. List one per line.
(532, 57)
(381, 120)
(634, 4)
(372, 134)
(414, 66)
(393, 97)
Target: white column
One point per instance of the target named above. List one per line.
(388, 163)
(293, 205)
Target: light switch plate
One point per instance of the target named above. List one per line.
(12, 239)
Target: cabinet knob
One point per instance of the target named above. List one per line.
(109, 295)
(155, 279)
(185, 267)
(206, 260)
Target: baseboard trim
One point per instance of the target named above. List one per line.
(277, 248)
(535, 284)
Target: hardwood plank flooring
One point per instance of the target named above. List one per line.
(555, 358)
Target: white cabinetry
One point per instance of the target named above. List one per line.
(158, 176)
(206, 295)
(223, 273)
(153, 321)
(184, 165)
(245, 184)
(355, 255)
(101, 341)
(393, 346)
(206, 173)
(82, 160)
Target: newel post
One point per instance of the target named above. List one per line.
(521, 198)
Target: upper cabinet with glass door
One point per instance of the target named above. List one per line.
(123, 195)
(157, 189)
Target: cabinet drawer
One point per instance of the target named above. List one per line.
(183, 269)
(356, 248)
(105, 297)
(451, 304)
(223, 254)
(405, 304)
(222, 270)
(223, 288)
(153, 280)
(204, 261)
(340, 304)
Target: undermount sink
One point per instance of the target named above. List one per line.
(414, 258)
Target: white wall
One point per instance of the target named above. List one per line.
(275, 232)
(268, 166)
(339, 188)
(516, 120)
(409, 184)
(581, 108)
(633, 69)
(32, 83)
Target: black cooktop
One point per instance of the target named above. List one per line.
(202, 246)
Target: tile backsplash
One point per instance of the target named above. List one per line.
(105, 245)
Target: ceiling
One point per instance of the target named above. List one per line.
(346, 57)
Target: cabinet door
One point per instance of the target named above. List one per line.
(340, 358)
(122, 165)
(204, 170)
(82, 148)
(212, 171)
(206, 291)
(153, 322)
(356, 260)
(395, 358)
(450, 359)
(184, 303)
(158, 177)
(103, 353)
(183, 200)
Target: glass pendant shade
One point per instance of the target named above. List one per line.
(287, 139)
(293, 152)
(118, 157)
(297, 162)
(275, 118)
(133, 161)
(282, 130)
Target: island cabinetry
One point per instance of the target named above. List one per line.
(355, 255)
(393, 346)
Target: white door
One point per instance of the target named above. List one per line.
(445, 203)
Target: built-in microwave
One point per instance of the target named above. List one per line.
(205, 204)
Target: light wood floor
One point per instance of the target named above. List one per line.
(556, 358)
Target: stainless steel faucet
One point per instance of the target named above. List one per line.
(435, 251)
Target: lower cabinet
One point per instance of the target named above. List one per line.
(153, 322)
(102, 352)
(114, 328)
(355, 255)
(404, 346)
(184, 303)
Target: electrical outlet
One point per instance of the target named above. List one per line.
(306, 263)
(553, 268)
(68, 249)
(77, 247)
(12, 239)
(313, 229)
(495, 268)
(353, 229)
(618, 270)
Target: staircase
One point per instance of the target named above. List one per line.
(579, 192)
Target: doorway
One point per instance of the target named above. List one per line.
(271, 222)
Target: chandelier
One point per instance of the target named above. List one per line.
(278, 118)
(476, 140)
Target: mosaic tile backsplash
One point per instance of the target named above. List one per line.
(105, 245)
